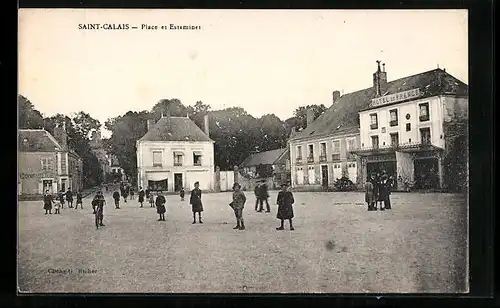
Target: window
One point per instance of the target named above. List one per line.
(394, 139)
(375, 142)
(424, 112)
(336, 150)
(393, 114)
(408, 127)
(425, 135)
(63, 163)
(310, 156)
(157, 159)
(322, 155)
(373, 121)
(299, 153)
(178, 159)
(197, 159)
(47, 164)
(351, 145)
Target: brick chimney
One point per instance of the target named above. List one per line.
(60, 134)
(151, 122)
(336, 96)
(310, 116)
(380, 80)
(205, 125)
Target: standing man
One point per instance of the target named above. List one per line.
(47, 202)
(141, 196)
(79, 199)
(285, 207)
(238, 205)
(116, 197)
(161, 206)
(98, 202)
(60, 197)
(196, 203)
(69, 197)
(257, 194)
(263, 197)
(125, 193)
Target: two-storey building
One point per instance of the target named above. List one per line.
(320, 153)
(175, 153)
(402, 130)
(47, 163)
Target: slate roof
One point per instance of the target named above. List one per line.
(342, 116)
(175, 129)
(264, 158)
(37, 140)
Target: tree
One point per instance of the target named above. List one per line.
(273, 133)
(29, 117)
(301, 114)
(126, 130)
(197, 113)
(174, 107)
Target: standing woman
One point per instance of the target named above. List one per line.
(369, 195)
(47, 202)
(160, 206)
(238, 205)
(285, 209)
(195, 201)
(141, 195)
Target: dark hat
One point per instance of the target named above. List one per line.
(236, 184)
(196, 183)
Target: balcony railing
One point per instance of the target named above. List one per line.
(336, 156)
(197, 163)
(177, 164)
(157, 164)
(398, 147)
(423, 118)
(310, 159)
(373, 126)
(393, 123)
(322, 158)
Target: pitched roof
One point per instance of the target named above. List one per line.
(37, 140)
(342, 116)
(175, 129)
(264, 158)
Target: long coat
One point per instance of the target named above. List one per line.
(47, 202)
(141, 196)
(239, 200)
(263, 192)
(195, 200)
(69, 196)
(285, 201)
(160, 204)
(116, 195)
(369, 194)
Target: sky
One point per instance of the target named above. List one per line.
(264, 61)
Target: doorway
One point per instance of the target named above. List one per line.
(177, 181)
(63, 185)
(324, 176)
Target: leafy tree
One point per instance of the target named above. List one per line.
(301, 114)
(197, 113)
(29, 117)
(174, 107)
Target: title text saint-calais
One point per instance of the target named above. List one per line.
(141, 27)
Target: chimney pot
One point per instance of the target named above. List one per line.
(205, 125)
(310, 116)
(336, 96)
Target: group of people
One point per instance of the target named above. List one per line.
(378, 189)
(57, 202)
(261, 195)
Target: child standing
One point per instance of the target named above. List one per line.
(369, 195)
(238, 205)
(182, 193)
(160, 206)
(116, 197)
(285, 209)
(195, 200)
(141, 195)
(151, 199)
(57, 206)
(132, 193)
(60, 197)
(79, 199)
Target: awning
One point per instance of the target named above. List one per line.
(157, 176)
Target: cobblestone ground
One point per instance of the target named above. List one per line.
(337, 246)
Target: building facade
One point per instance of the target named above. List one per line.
(46, 163)
(320, 153)
(402, 131)
(175, 153)
(117, 173)
(97, 148)
(275, 164)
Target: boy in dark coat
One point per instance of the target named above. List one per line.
(238, 205)
(116, 197)
(256, 191)
(195, 201)
(285, 209)
(79, 200)
(60, 197)
(160, 206)
(47, 202)
(69, 198)
(141, 195)
(263, 197)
